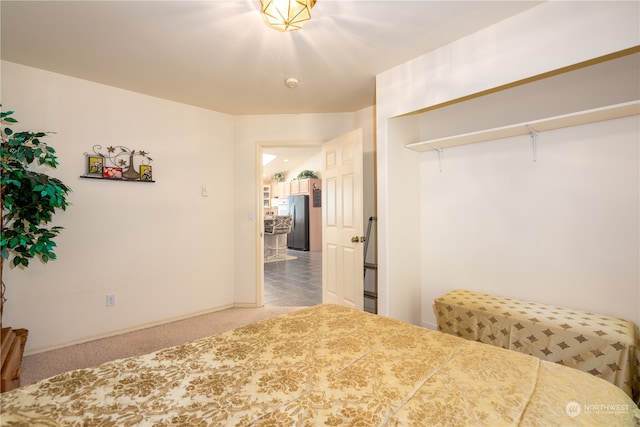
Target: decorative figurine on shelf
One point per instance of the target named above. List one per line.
(145, 173)
(117, 155)
(95, 166)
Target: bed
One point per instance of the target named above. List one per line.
(604, 346)
(326, 365)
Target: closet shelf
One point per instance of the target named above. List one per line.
(566, 120)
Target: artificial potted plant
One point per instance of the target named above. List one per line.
(29, 199)
(278, 177)
(307, 174)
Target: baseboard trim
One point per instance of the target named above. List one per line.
(431, 326)
(246, 305)
(131, 329)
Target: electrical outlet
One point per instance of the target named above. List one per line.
(111, 300)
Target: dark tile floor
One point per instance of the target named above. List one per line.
(294, 282)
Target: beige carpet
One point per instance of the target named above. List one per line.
(50, 363)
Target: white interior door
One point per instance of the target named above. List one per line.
(342, 221)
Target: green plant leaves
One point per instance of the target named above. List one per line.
(29, 198)
(307, 174)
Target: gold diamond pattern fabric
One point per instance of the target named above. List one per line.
(603, 346)
(323, 366)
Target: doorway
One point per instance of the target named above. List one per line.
(292, 277)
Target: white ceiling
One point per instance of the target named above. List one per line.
(219, 55)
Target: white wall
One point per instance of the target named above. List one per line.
(164, 250)
(562, 230)
(542, 39)
(249, 132)
(313, 163)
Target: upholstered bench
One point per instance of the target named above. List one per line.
(603, 346)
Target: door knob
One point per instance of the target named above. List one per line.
(362, 239)
(355, 239)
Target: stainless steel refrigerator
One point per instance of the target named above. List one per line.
(298, 238)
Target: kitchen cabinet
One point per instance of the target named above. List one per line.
(266, 196)
(283, 190)
(298, 186)
(275, 190)
(304, 186)
(295, 187)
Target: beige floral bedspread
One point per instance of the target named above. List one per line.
(323, 366)
(603, 346)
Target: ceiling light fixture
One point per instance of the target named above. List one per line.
(291, 82)
(286, 15)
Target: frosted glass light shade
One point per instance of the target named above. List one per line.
(286, 15)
